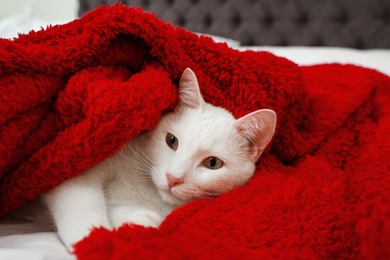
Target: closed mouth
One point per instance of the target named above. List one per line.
(172, 197)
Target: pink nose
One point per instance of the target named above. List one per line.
(173, 181)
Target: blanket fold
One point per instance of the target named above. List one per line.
(72, 95)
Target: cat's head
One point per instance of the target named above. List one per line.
(200, 150)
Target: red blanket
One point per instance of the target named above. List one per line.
(72, 95)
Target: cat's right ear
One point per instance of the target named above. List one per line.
(189, 91)
(258, 127)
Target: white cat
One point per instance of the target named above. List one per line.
(196, 151)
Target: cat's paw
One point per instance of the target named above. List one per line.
(142, 217)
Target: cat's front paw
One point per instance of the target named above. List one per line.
(142, 217)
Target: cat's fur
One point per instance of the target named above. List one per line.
(156, 172)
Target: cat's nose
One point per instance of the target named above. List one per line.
(173, 181)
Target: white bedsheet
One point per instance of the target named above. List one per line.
(378, 59)
(26, 241)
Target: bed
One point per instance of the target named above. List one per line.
(305, 32)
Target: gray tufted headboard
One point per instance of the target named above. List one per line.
(360, 24)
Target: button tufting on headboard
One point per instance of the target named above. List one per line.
(349, 23)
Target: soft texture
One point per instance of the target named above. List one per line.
(72, 95)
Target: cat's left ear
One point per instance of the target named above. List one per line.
(189, 91)
(258, 127)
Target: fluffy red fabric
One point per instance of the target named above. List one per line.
(72, 95)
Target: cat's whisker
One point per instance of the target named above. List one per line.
(143, 180)
(143, 170)
(145, 157)
(137, 151)
(136, 163)
(140, 159)
(174, 109)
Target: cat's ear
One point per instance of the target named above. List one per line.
(189, 91)
(258, 127)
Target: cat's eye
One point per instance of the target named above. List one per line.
(213, 163)
(172, 141)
